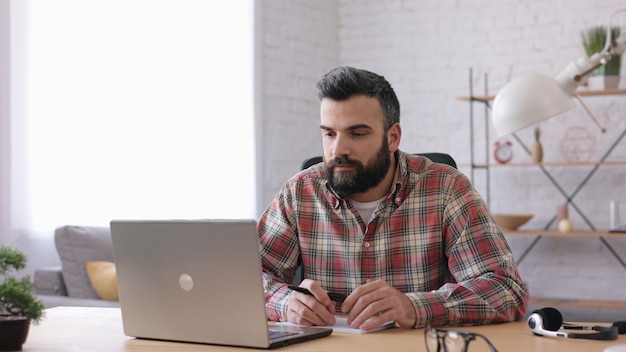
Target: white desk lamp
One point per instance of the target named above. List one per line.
(533, 98)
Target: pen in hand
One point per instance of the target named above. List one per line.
(333, 296)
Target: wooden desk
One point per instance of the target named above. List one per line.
(100, 329)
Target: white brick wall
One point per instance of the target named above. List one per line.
(299, 44)
(425, 49)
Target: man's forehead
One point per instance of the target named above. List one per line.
(351, 113)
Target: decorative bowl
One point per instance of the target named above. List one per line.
(511, 221)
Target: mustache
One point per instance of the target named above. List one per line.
(342, 160)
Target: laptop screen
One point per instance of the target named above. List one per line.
(191, 280)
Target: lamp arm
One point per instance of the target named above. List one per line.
(591, 114)
(577, 72)
(601, 60)
(612, 44)
(617, 47)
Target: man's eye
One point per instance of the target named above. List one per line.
(355, 134)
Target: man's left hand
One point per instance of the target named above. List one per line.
(376, 303)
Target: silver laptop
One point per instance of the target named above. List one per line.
(196, 281)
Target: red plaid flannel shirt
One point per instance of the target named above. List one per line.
(432, 238)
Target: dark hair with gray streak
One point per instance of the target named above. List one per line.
(344, 82)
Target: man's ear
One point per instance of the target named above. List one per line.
(393, 137)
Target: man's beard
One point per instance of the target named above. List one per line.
(366, 177)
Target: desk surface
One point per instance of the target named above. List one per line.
(100, 329)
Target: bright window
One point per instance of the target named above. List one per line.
(139, 109)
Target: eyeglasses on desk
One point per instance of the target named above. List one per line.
(440, 340)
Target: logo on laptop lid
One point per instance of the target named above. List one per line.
(186, 282)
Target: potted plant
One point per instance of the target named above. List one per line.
(594, 41)
(19, 305)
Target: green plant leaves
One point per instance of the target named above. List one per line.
(594, 41)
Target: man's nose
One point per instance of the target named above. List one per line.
(341, 146)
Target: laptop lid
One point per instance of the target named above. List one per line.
(194, 281)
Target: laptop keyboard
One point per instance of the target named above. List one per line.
(277, 334)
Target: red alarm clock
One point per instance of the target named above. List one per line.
(503, 151)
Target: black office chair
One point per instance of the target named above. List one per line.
(442, 158)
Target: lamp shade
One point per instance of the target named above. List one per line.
(526, 101)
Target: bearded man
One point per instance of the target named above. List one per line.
(403, 238)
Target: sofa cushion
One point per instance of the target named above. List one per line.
(49, 281)
(102, 276)
(76, 245)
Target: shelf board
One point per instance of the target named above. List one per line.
(482, 98)
(577, 303)
(573, 234)
(612, 91)
(547, 164)
(582, 92)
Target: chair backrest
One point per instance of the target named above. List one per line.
(441, 158)
(310, 162)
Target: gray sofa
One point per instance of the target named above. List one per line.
(69, 284)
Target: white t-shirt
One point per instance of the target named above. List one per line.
(366, 209)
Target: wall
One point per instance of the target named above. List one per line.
(299, 44)
(426, 49)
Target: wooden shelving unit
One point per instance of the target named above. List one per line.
(602, 235)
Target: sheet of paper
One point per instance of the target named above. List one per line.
(341, 325)
(618, 348)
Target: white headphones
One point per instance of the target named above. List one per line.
(548, 322)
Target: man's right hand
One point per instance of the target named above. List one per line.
(303, 309)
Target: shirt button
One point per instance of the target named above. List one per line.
(367, 281)
(366, 245)
(397, 199)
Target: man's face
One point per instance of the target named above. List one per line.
(356, 147)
